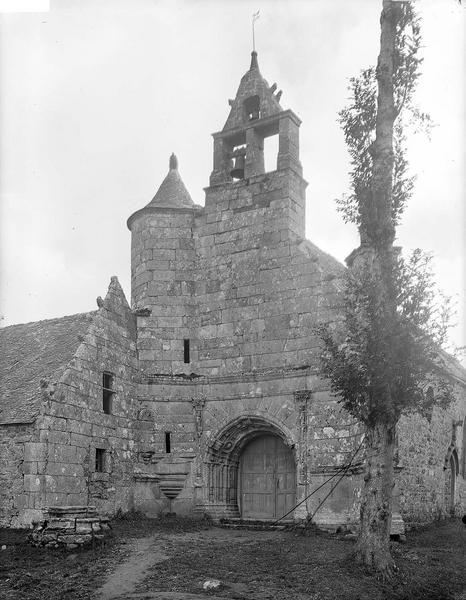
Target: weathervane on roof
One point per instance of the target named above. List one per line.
(255, 16)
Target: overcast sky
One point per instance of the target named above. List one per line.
(96, 94)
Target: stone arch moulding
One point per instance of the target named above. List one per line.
(223, 455)
(146, 414)
(452, 455)
(451, 469)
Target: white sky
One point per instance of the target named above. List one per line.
(96, 94)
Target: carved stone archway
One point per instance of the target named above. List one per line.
(451, 469)
(222, 460)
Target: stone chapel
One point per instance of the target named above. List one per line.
(204, 396)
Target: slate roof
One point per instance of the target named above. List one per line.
(30, 352)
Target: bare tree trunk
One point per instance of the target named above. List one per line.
(372, 547)
(377, 223)
(376, 258)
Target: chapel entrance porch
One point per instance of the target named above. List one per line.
(251, 471)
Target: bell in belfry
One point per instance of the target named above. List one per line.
(237, 171)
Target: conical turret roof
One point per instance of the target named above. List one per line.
(172, 191)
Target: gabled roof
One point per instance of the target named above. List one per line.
(32, 352)
(253, 85)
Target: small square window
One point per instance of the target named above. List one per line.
(99, 460)
(107, 392)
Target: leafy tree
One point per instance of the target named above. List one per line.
(387, 345)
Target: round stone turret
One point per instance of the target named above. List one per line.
(162, 268)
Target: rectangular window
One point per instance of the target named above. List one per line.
(107, 392)
(167, 442)
(99, 460)
(186, 351)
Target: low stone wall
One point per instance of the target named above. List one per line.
(69, 527)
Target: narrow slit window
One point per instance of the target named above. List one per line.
(186, 351)
(99, 460)
(107, 393)
(167, 442)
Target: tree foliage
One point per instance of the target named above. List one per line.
(358, 121)
(385, 350)
(375, 353)
(367, 353)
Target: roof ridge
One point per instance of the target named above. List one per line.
(89, 313)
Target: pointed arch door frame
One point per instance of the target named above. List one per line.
(451, 469)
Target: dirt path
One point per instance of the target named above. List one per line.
(145, 553)
(275, 565)
(168, 596)
(171, 560)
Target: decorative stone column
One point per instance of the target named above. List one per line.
(198, 407)
(197, 404)
(302, 398)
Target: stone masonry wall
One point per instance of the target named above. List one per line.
(72, 424)
(17, 443)
(323, 437)
(239, 280)
(247, 290)
(423, 480)
(260, 288)
(163, 271)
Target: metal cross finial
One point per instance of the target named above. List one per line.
(255, 16)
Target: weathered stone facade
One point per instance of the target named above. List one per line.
(51, 460)
(431, 457)
(217, 356)
(69, 527)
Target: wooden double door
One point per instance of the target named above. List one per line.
(267, 479)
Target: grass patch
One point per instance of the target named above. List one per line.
(251, 565)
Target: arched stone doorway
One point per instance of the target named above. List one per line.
(267, 481)
(451, 469)
(223, 458)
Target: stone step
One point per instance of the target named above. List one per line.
(255, 524)
(253, 527)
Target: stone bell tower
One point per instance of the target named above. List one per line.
(203, 278)
(255, 115)
(247, 235)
